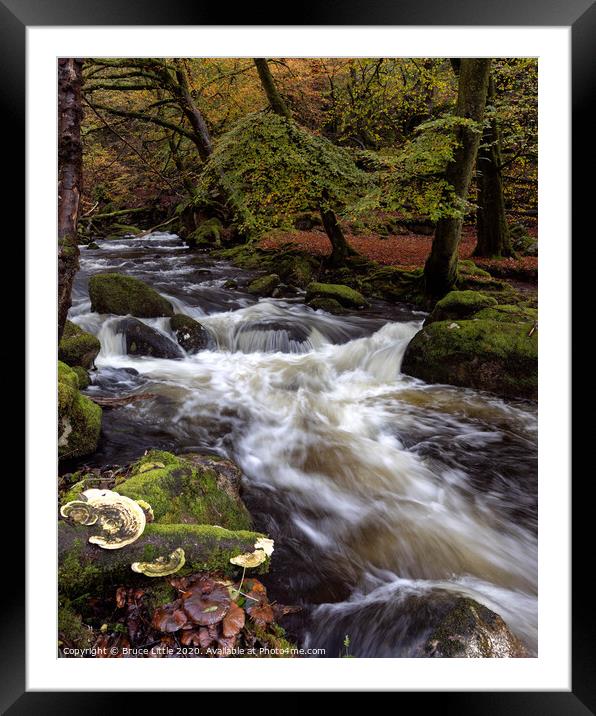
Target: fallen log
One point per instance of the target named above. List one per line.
(85, 568)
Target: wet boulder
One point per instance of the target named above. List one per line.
(142, 340)
(470, 630)
(264, 285)
(271, 336)
(190, 334)
(79, 419)
(460, 304)
(193, 489)
(344, 295)
(124, 295)
(77, 347)
(482, 353)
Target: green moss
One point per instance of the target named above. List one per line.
(77, 347)
(82, 376)
(264, 285)
(76, 577)
(79, 419)
(180, 492)
(330, 305)
(500, 357)
(71, 630)
(208, 233)
(509, 313)
(460, 304)
(467, 266)
(123, 295)
(344, 295)
(86, 570)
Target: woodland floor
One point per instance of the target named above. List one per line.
(408, 250)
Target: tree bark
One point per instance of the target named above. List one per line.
(193, 114)
(70, 169)
(276, 101)
(491, 221)
(440, 270)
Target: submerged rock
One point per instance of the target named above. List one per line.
(481, 353)
(77, 347)
(79, 419)
(346, 296)
(264, 285)
(471, 630)
(123, 295)
(190, 334)
(143, 340)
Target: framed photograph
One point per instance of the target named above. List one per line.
(286, 429)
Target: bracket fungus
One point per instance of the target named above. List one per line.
(162, 566)
(249, 559)
(120, 520)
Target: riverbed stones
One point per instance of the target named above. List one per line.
(142, 340)
(470, 630)
(344, 295)
(124, 295)
(190, 334)
(77, 347)
(79, 419)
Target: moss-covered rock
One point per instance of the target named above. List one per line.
(296, 269)
(509, 314)
(346, 296)
(190, 334)
(391, 283)
(77, 347)
(330, 305)
(471, 630)
(188, 491)
(500, 357)
(79, 419)
(123, 295)
(208, 233)
(460, 304)
(84, 568)
(82, 376)
(264, 285)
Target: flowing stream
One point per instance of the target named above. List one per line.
(385, 495)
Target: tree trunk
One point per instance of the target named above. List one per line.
(276, 101)
(70, 169)
(491, 221)
(440, 270)
(340, 249)
(193, 114)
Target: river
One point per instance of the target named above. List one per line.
(384, 494)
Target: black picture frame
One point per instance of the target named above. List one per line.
(579, 15)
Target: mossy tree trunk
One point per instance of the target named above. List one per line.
(70, 169)
(276, 101)
(491, 221)
(340, 249)
(440, 270)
